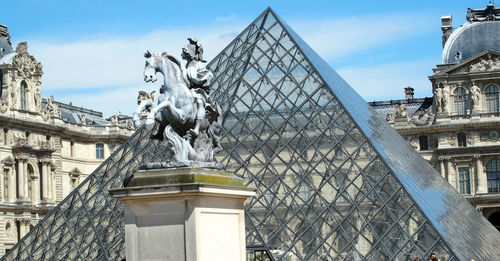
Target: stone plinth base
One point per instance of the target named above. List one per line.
(184, 214)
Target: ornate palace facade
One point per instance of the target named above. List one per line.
(457, 130)
(46, 148)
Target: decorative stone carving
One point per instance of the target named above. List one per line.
(389, 117)
(452, 139)
(475, 96)
(485, 64)
(413, 142)
(38, 98)
(145, 102)
(51, 110)
(422, 117)
(401, 111)
(438, 99)
(4, 106)
(114, 120)
(83, 119)
(14, 96)
(130, 124)
(26, 65)
(489, 136)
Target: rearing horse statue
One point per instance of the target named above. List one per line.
(178, 109)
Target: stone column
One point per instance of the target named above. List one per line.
(450, 176)
(44, 179)
(20, 179)
(482, 180)
(184, 214)
(52, 182)
(25, 171)
(441, 168)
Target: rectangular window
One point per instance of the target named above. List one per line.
(99, 151)
(464, 178)
(424, 143)
(462, 139)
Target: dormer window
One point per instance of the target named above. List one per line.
(22, 95)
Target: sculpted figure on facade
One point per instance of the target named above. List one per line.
(27, 67)
(475, 93)
(401, 111)
(423, 117)
(83, 119)
(114, 120)
(188, 119)
(489, 63)
(4, 105)
(438, 99)
(389, 117)
(145, 102)
(38, 98)
(13, 97)
(51, 110)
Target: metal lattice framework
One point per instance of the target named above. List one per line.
(333, 181)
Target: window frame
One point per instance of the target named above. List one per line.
(460, 100)
(464, 185)
(493, 175)
(22, 95)
(462, 139)
(99, 151)
(492, 98)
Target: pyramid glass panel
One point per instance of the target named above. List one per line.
(332, 181)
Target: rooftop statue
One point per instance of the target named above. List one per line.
(188, 119)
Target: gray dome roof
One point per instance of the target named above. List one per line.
(5, 46)
(471, 39)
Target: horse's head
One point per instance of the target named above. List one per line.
(151, 67)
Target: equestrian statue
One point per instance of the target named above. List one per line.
(189, 120)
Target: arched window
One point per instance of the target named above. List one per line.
(22, 95)
(491, 98)
(493, 174)
(460, 101)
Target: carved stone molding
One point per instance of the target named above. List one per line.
(26, 66)
(482, 64)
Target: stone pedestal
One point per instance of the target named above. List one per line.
(184, 214)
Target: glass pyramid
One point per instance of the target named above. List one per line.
(333, 181)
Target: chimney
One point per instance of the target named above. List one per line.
(446, 27)
(409, 93)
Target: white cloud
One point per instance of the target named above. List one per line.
(387, 81)
(342, 37)
(114, 64)
(225, 19)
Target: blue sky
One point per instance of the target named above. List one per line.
(91, 51)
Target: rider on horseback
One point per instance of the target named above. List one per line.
(198, 79)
